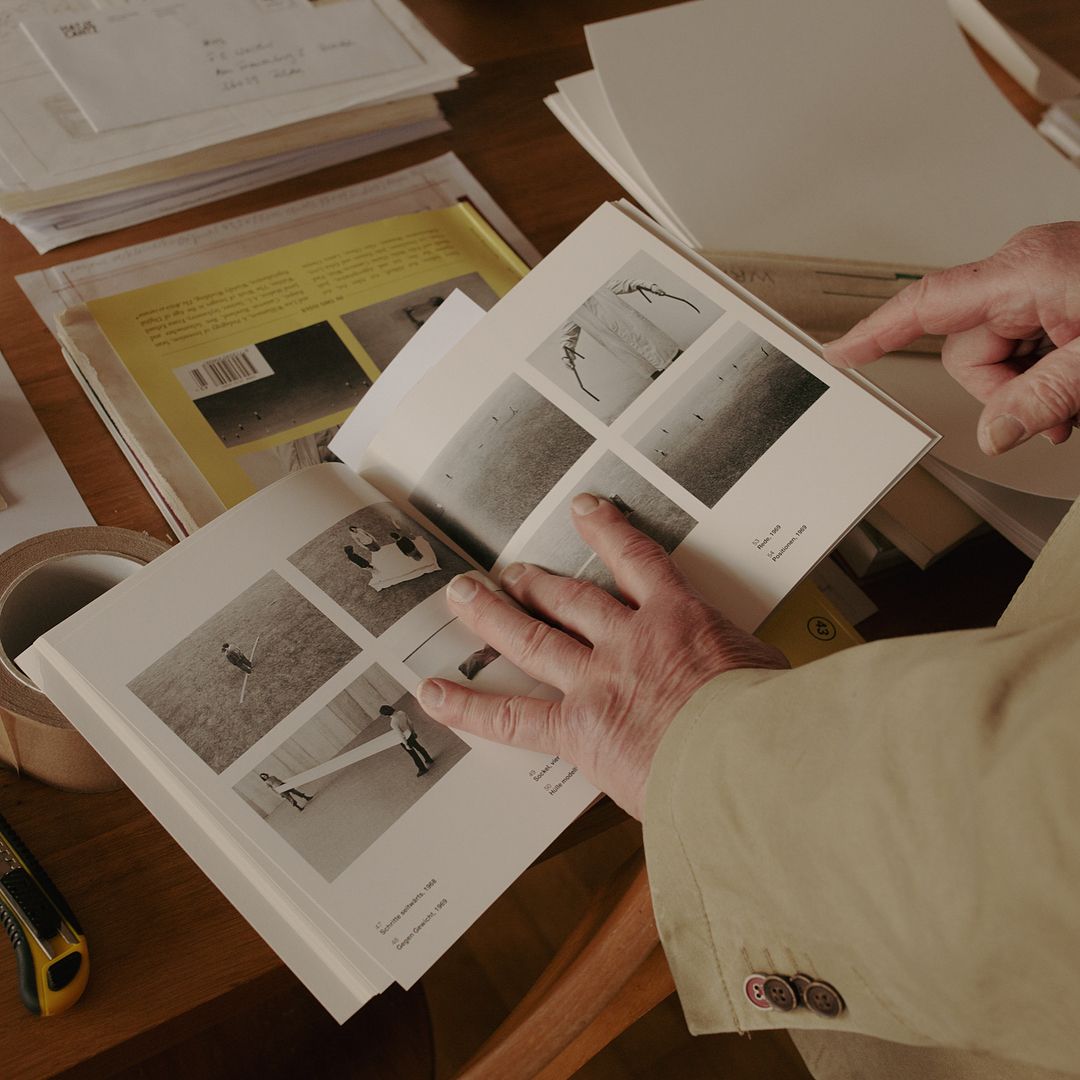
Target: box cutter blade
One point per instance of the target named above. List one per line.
(50, 949)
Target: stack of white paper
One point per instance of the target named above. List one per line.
(111, 114)
(844, 129)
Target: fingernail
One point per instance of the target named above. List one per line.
(462, 589)
(1045, 435)
(512, 573)
(584, 504)
(430, 694)
(1001, 434)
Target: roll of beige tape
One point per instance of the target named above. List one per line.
(42, 581)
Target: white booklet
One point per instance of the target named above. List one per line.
(254, 686)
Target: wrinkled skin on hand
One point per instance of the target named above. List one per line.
(625, 668)
(1013, 333)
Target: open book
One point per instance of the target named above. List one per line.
(254, 686)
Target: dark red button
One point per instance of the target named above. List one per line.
(754, 988)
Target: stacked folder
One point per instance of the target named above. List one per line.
(70, 168)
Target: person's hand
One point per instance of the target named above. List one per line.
(1013, 326)
(625, 669)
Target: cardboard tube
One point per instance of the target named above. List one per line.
(42, 581)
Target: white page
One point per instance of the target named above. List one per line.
(1027, 521)
(339, 975)
(583, 96)
(182, 58)
(564, 112)
(923, 385)
(843, 128)
(744, 548)
(452, 319)
(33, 481)
(47, 140)
(271, 567)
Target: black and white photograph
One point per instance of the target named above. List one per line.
(243, 670)
(749, 396)
(311, 374)
(624, 336)
(383, 329)
(351, 771)
(378, 564)
(502, 461)
(455, 652)
(558, 548)
(264, 467)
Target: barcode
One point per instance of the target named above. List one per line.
(222, 371)
(218, 373)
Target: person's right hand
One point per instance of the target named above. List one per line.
(1013, 333)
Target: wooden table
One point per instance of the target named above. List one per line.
(170, 957)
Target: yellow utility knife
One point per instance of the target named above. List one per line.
(50, 950)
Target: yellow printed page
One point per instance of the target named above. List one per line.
(253, 365)
(806, 626)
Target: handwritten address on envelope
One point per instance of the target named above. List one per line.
(150, 61)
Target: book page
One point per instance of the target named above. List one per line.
(225, 379)
(280, 689)
(622, 368)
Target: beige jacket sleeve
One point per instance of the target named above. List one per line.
(901, 820)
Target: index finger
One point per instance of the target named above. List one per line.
(943, 302)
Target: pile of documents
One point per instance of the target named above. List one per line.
(114, 112)
(716, 117)
(824, 196)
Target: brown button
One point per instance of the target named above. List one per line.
(754, 988)
(823, 999)
(780, 993)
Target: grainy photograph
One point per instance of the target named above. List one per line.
(264, 467)
(455, 652)
(557, 547)
(234, 678)
(378, 564)
(351, 772)
(383, 329)
(277, 384)
(747, 399)
(502, 461)
(624, 336)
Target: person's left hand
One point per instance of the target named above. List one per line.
(625, 668)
